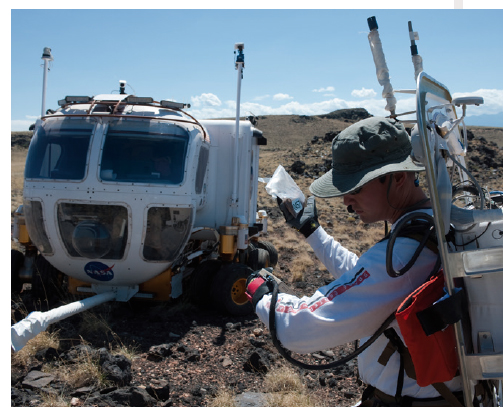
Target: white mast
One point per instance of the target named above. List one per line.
(46, 56)
(240, 63)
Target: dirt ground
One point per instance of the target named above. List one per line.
(205, 350)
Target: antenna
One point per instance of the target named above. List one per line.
(46, 56)
(240, 64)
(417, 61)
(122, 86)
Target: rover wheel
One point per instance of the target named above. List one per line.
(229, 288)
(258, 258)
(200, 281)
(273, 253)
(16, 262)
(46, 281)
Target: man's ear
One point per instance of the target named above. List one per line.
(400, 178)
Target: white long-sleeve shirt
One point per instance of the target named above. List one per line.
(354, 306)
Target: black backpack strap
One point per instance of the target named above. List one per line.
(406, 365)
(447, 394)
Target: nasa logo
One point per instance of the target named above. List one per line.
(99, 271)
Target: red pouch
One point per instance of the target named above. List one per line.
(434, 356)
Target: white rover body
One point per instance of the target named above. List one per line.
(128, 196)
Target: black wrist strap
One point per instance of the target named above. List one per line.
(264, 289)
(309, 227)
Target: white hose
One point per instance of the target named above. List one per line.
(37, 321)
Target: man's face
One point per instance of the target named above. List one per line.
(370, 202)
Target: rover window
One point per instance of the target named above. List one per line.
(144, 151)
(201, 168)
(167, 232)
(93, 231)
(59, 150)
(34, 215)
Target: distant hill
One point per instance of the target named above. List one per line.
(293, 130)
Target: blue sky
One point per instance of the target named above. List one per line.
(296, 61)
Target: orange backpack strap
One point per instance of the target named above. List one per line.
(395, 344)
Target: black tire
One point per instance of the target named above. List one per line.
(273, 253)
(200, 281)
(229, 287)
(16, 262)
(46, 281)
(258, 259)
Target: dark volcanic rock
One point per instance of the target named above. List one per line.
(117, 369)
(298, 167)
(36, 379)
(133, 397)
(347, 114)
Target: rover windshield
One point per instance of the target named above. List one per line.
(145, 151)
(59, 149)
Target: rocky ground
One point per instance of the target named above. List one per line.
(183, 354)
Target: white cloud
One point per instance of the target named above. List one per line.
(209, 106)
(327, 89)
(493, 102)
(261, 97)
(363, 93)
(22, 125)
(282, 96)
(205, 99)
(373, 106)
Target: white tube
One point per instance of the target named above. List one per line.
(417, 61)
(382, 71)
(37, 321)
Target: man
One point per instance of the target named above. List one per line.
(373, 172)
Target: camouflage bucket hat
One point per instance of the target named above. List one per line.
(364, 151)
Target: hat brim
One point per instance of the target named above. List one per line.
(330, 185)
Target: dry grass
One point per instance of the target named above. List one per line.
(18, 158)
(299, 265)
(84, 371)
(52, 400)
(283, 379)
(224, 398)
(284, 388)
(43, 340)
(93, 322)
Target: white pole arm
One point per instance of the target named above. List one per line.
(37, 321)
